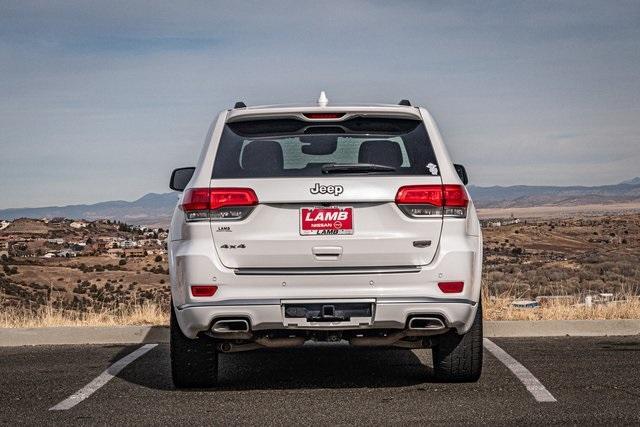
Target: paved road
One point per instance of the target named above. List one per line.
(594, 380)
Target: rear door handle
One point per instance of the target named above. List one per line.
(327, 252)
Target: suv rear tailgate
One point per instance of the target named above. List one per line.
(382, 235)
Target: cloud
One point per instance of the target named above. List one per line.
(100, 100)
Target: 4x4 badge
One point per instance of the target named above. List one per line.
(336, 190)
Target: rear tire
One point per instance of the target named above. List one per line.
(194, 362)
(458, 358)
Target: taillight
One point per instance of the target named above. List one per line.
(451, 287)
(455, 200)
(420, 194)
(420, 201)
(203, 290)
(218, 204)
(196, 203)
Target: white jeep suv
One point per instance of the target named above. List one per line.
(324, 223)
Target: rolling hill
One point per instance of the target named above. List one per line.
(151, 208)
(521, 196)
(156, 208)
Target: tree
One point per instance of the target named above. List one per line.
(158, 258)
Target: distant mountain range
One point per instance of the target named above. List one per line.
(522, 196)
(155, 208)
(149, 209)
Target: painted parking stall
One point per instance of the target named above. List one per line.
(589, 379)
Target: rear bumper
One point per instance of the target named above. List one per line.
(259, 296)
(390, 313)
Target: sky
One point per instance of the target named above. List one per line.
(101, 100)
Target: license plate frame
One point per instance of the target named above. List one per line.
(331, 223)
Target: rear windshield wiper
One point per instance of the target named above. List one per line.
(355, 168)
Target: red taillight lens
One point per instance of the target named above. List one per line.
(323, 115)
(200, 204)
(195, 199)
(455, 196)
(203, 290)
(451, 287)
(420, 195)
(433, 200)
(221, 197)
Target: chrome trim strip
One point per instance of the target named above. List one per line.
(424, 300)
(231, 302)
(278, 301)
(304, 271)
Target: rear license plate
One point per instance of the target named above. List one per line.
(326, 221)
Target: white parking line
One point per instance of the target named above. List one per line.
(535, 387)
(101, 379)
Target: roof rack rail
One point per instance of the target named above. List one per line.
(405, 102)
(240, 104)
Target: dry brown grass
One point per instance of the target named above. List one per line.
(152, 313)
(626, 306)
(147, 313)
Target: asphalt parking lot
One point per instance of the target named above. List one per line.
(553, 380)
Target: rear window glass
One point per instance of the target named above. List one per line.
(287, 147)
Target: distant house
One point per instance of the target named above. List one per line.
(149, 243)
(58, 241)
(135, 252)
(156, 252)
(78, 224)
(4, 224)
(129, 244)
(49, 255)
(67, 253)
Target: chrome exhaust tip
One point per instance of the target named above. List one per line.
(426, 324)
(230, 326)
